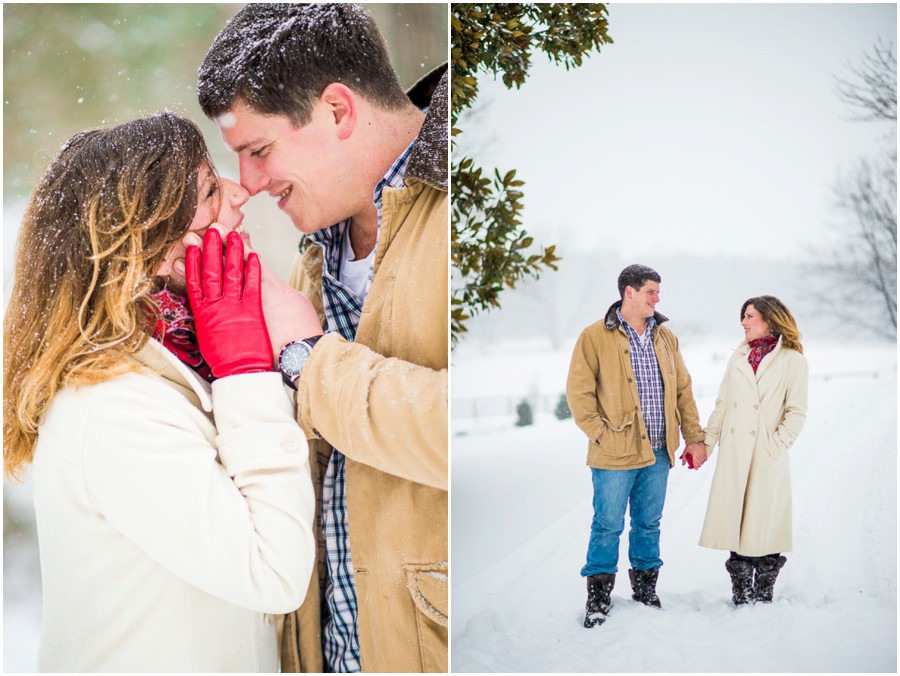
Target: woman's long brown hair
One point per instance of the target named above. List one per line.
(96, 229)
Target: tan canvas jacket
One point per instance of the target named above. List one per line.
(382, 400)
(603, 396)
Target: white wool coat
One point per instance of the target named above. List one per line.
(174, 520)
(756, 420)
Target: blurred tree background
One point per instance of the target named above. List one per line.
(72, 67)
(69, 67)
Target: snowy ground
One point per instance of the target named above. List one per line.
(521, 512)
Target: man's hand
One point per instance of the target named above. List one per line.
(695, 455)
(289, 313)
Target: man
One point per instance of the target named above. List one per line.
(308, 99)
(629, 391)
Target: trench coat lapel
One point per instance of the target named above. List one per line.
(155, 357)
(768, 359)
(743, 366)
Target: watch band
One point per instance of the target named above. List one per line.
(290, 372)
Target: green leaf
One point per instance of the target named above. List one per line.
(486, 215)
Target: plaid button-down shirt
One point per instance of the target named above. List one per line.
(649, 380)
(340, 637)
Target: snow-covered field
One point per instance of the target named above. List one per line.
(521, 513)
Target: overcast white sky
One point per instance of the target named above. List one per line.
(712, 129)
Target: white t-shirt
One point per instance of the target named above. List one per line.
(355, 273)
(644, 336)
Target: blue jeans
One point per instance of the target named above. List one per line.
(645, 490)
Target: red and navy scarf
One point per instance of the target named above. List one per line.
(759, 348)
(174, 328)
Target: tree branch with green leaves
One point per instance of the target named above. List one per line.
(489, 245)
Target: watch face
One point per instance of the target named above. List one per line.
(292, 359)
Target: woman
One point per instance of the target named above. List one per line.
(759, 412)
(174, 514)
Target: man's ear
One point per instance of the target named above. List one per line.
(341, 104)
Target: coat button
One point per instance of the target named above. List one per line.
(756, 406)
(290, 444)
(643, 436)
(629, 380)
(732, 430)
(735, 404)
(752, 433)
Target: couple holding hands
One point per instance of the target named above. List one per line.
(219, 486)
(630, 393)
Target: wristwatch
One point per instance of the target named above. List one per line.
(292, 359)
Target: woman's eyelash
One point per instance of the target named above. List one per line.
(212, 189)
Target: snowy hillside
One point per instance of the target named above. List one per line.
(521, 512)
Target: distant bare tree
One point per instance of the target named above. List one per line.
(864, 257)
(872, 94)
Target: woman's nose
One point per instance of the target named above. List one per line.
(235, 193)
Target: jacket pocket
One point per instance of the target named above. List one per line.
(615, 444)
(626, 422)
(427, 585)
(773, 446)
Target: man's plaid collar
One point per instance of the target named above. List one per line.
(629, 329)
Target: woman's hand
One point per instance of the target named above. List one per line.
(227, 306)
(289, 314)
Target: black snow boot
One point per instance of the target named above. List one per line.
(741, 572)
(599, 588)
(643, 584)
(767, 568)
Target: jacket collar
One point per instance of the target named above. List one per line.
(428, 161)
(155, 357)
(744, 349)
(612, 319)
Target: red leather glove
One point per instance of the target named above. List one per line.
(231, 329)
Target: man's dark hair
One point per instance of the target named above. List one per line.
(636, 276)
(279, 57)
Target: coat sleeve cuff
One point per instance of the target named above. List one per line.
(255, 421)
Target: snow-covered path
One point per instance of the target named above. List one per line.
(521, 508)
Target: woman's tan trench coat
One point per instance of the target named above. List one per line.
(756, 420)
